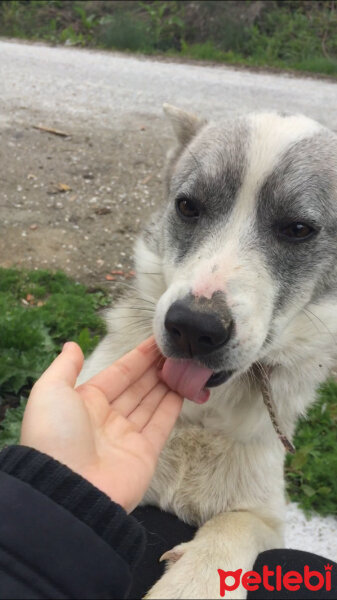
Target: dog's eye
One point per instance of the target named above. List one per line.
(188, 209)
(297, 231)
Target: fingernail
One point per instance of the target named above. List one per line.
(65, 346)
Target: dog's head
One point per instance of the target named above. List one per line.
(248, 237)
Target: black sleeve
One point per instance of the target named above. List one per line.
(60, 537)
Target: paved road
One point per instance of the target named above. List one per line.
(95, 87)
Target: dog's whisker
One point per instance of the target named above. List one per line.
(148, 273)
(134, 319)
(141, 308)
(133, 288)
(145, 300)
(141, 324)
(306, 310)
(311, 321)
(246, 378)
(154, 261)
(146, 322)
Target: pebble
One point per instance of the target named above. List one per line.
(317, 534)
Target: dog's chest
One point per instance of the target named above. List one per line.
(203, 472)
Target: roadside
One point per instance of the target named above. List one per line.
(258, 33)
(76, 202)
(184, 59)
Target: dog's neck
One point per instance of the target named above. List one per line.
(263, 373)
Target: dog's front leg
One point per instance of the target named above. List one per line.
(230, 542)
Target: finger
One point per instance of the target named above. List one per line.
(130, 399)
(145, 410)
(159, 427)
(66, 367)
(114, 380)
(96, 404)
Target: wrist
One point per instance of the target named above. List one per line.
(123, 495)
(74, 493)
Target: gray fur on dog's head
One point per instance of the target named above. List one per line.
(251, 177)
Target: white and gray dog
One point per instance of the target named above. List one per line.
(237, 273)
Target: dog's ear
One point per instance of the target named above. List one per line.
(185, 124)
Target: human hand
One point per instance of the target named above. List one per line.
(110, 429)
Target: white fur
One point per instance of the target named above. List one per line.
(222, 468)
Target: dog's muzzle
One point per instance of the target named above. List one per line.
(194, 330)
(197, 329)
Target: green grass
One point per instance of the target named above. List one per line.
(311, 473)
(299, 35)
(11, 424)
(40, 310)
(209, 52)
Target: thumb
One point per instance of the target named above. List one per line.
(66, 367)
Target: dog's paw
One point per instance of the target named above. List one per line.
(192, 572)
(171, 556)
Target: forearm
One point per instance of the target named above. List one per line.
(67, 533)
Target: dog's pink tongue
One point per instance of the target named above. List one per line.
(187, 378)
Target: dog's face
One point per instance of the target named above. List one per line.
(248, 238)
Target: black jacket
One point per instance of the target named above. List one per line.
(60, 537)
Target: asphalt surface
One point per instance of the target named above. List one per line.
(94, 88)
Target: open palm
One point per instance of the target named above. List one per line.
(110, 429)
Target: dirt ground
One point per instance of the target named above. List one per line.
(76, 203)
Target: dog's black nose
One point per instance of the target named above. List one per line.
(194, 332)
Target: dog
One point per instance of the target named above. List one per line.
(237, 274)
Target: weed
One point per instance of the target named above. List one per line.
(10, 427)
(166, 24)
(311, 472)
(204, 51)
(289, 34)
(39, 311)
(124, 31)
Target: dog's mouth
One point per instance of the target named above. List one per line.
(192, 380)
(218, 378)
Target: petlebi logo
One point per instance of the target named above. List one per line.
(276, 580)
